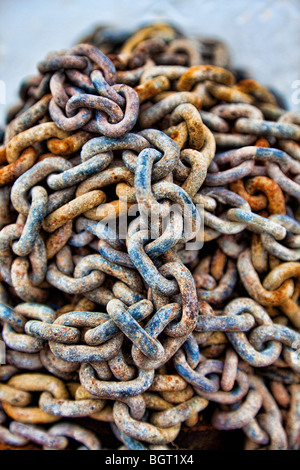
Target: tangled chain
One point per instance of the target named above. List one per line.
(140, 331)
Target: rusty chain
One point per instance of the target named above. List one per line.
(127, 323)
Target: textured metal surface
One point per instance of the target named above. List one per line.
(138, 325)
(253, 32)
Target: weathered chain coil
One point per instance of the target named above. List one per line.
(149, 248)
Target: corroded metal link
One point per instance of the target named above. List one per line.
(226, 397)
(190, 308)
(96, 262)
(129, 442)
(225, 323)
(196, 377)
(192, 351)
(259, 429)
(115, 256)
(104, 89)
(233, 111)
(225, 177)
(278, 439)
(178, 414)
(99, 145)
(12, 318)
(68, 145)
(279, 130)
(106, 311)
(239, 418)
(274, 247)
(172, 72)
(236, 157)
(165, 145)
(125, 294)
(191, 116)
(151, 115)
(9, 438)
(94, 54)
(24, 360)
(72, 123)
(142, 431)
(108, 329)
(78, 433)
(36, 311)
(201, 73)
(79, 172)
(279, 333)
(28, 118)
(83, 100)
(293, 418)
(102, 124)
(253, 285)
(288, 185)
(97, 83)
(115, 390)
(101, 231)
(239, 340)
(33, 223)
(7, 235)
(9, 173)
(183, 203)
(34, 383)
(30, 136)
(154, 327)
(72, 209)
(58, 333)
(14, 397)
(66, 61)
(106, 178)
(152, 88)
(223, 224)
(30, 178)
(20, 342)
(39, 382)
(69, 408)
(280, 273)
(130, 327)
(230, 370)
(276, 201)
(219, 293)
(71, 285)
(145, 266)
(58, 367)
(7, 371)
(39, 436)
(82, 353)
(257, 223)
(142, 182)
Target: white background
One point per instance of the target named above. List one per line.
(263, 35)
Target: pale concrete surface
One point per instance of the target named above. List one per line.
(263, 35)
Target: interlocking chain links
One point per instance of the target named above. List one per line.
(122, 328)
(34, 383)
(77, 89)
(264, 428)
(54, 438)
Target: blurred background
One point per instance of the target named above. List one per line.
(263, 36)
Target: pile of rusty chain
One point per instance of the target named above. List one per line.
(146, 329)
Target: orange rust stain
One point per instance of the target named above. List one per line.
(262, 142)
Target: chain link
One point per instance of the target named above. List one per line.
(123, 152)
